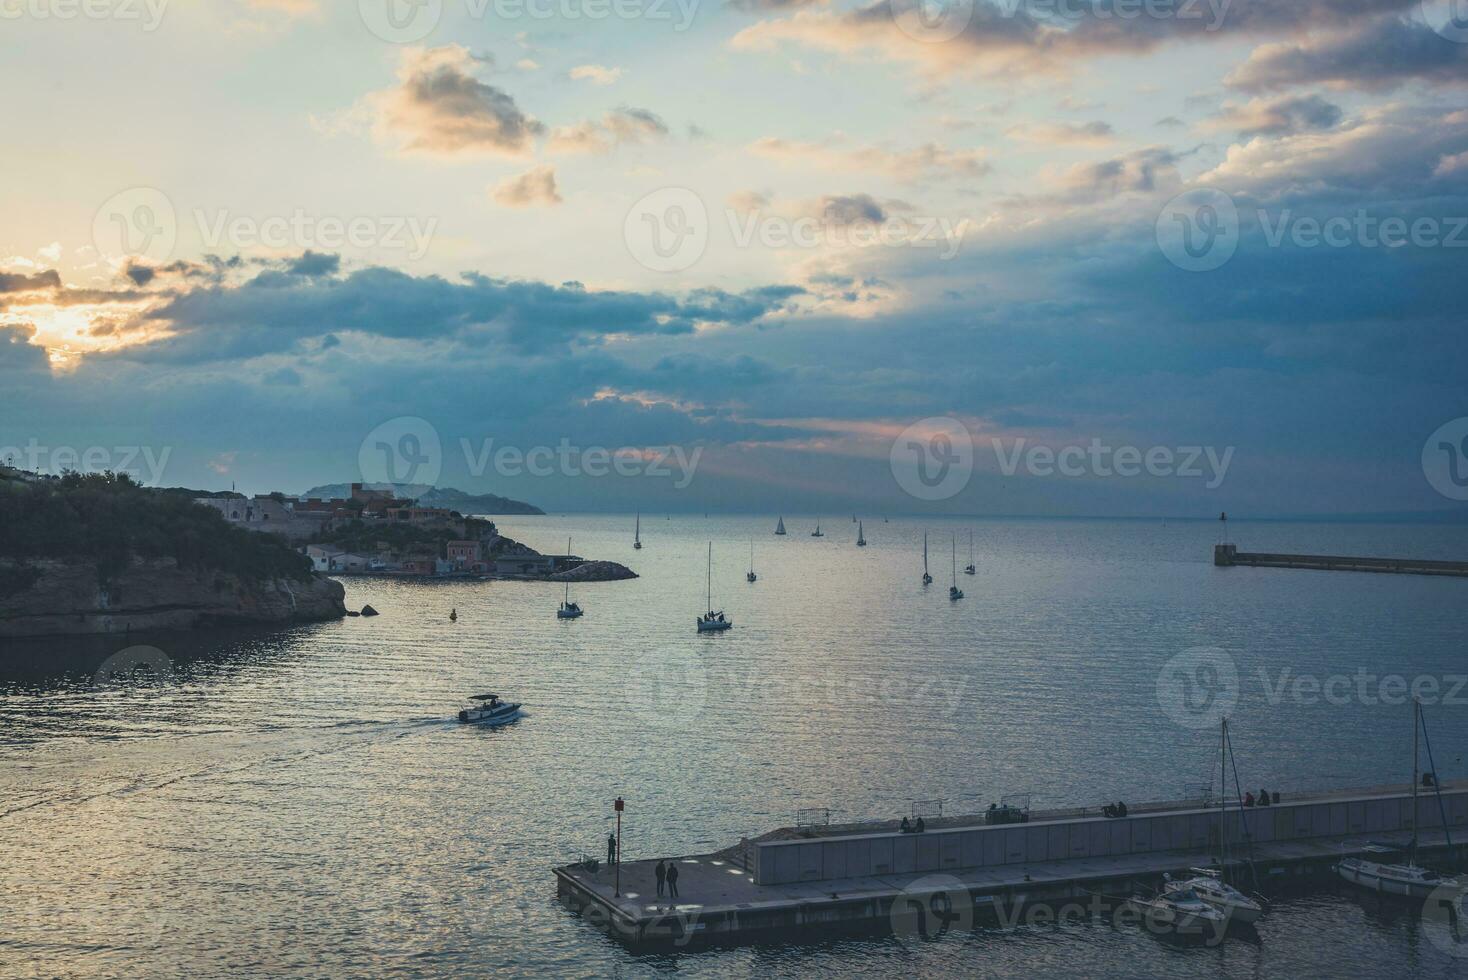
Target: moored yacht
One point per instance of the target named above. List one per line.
(1209, 886)
(1181, 912)
(490, 710)
(1407, 879)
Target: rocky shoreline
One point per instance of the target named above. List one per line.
(64, 598)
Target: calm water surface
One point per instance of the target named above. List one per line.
(301, 803)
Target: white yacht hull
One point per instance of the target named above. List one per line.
(1164, 916)
(1236, 909)
(1392, 879)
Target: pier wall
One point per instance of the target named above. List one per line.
(1225, 555)
(962, 848)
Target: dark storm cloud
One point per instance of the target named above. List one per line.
(1373, 56)
(22, 282)
(238, 323)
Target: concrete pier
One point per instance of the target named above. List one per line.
(797, 882)
(1225, 555)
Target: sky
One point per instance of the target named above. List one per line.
(1011, 257)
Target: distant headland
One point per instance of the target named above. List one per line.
(428, 496)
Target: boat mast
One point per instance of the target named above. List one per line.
(568, 569)
(1412, 848)
(637, 532)
(955, 560)
(925, 552)
(709, 579)
(1223, 803)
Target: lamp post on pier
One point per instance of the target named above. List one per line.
(618, 805)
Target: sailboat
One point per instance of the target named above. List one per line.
(1404, 879)
(780, 525)
(817, 533)
(853, 519)
(749, 576)
(1208, 885)
(969, 568)
(927, 579)
(711, 621)
(954, 592)
(569, 609)
(861, 538)
(637, 534)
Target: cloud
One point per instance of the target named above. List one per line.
(21, 282)
(1276, 117)
(996, 37)
(310, 263)
(1386, 151)
(1064, 134)
(625, 125)
(1374, 56)
(596, 74)
(534, 187)
(233, 323)
(928, 160)
(439, 107)
(849, 210)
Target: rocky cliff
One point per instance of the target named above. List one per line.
(55, 597)
(595, 571)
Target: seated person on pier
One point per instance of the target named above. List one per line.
(906, 827)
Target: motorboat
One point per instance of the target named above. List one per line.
(714, 620)
(490, 710)
(1209, 886)
(1182, 912)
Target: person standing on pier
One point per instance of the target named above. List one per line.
(611, 848)
(662, 874)
(672, 880)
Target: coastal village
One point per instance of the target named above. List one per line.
(374, 532)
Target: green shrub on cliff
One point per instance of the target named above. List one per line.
(110, 519)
